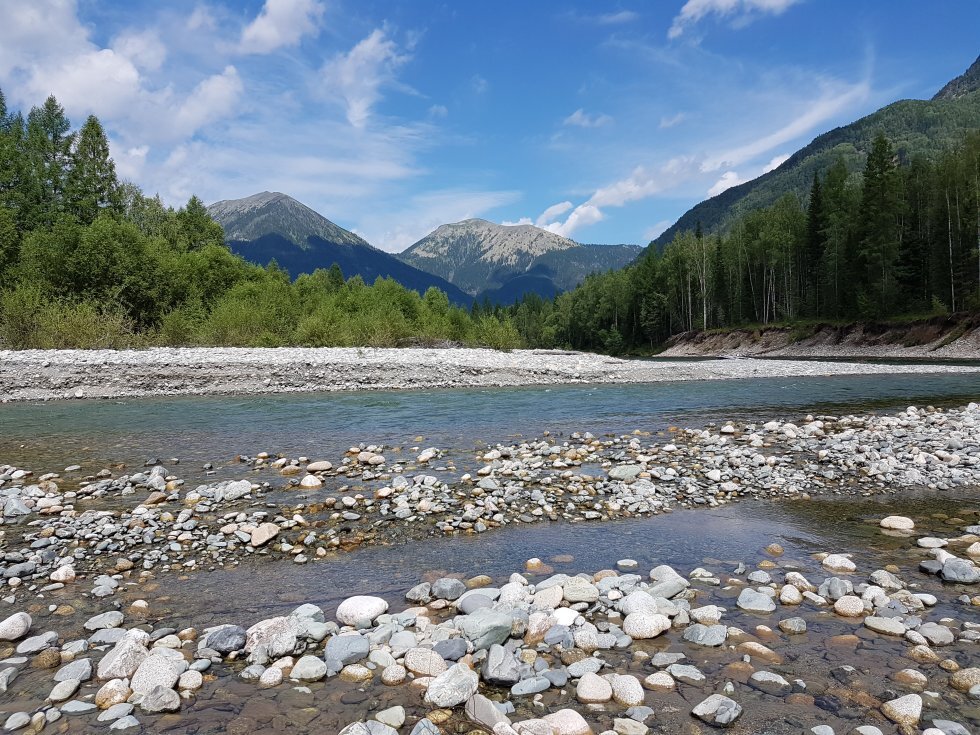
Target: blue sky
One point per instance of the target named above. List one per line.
(600, 121)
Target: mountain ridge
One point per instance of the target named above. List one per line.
(274, 226)
(914, 127)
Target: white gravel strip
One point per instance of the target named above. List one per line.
(47, 374)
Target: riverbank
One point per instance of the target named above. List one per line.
(59, 374)
(938, 338)
(99, 570)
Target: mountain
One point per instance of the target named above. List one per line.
(273, 226)
(914, 127)
(503, 262)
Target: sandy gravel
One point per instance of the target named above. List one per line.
(34, 375)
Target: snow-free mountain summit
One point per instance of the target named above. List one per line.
(503, 262)
(273, 226)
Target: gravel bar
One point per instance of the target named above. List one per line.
(52, 374)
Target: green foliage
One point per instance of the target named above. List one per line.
(88, 262)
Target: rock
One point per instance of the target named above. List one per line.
(660, 682)
(706, 635)
(640, 625)
(593, 689)
(156, 671)
(577, 589)
(448, 588)
(790, 595)
(849, 606)
(272, 638)
(64, 690)
(485, 627)
(484, 712)
(774, 684)
(718, 710)
(16, 721)
(568, 722)
(897, 523)
(500, 668)
(373, 727)
(37, 643)
(960, 570)
(885, 626)
(752, 600)
(965, 679)
(937, 635)
(627, 690)
(15, 627)
(125, 657)
(263, 534)
(111, 619)
(424, 662)
(451, 649)
(190, 681)
(160, 699)
(80, 669)
(343, 650)
(309, 482)
(838, 563)
(904, 711)
(271, 677)
(360, 608)
(225, 639)
(125, 723)
(114, 691)
(793, 626)
(309, 668)
(452, 687)
(393, 717)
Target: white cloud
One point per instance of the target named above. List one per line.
(479, 84)
(548, 215)
(281, 23)
(521, 221)
(143, 48)
(775, 163)
(727, 181)
(582, 119)
(438, 111)
(623, 16)
(202, 19)
(211, 100)
(834, 99)
(696, 10)
(582, 216)
(672, 120)
(356, 78)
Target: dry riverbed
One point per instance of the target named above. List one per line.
(841, 642)
(54, 374)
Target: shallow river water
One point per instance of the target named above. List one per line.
(49, 436)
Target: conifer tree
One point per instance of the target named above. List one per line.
(92, 185)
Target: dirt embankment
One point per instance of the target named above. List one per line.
(939, 338)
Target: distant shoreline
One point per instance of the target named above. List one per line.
(80, 374)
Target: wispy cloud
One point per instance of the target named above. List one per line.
(355, 78)
(281, 23)
(775, 162)
(671, 121)
(618, 18)
(580, 118)
(727, 181)
(742, 11)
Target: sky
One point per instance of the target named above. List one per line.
(600, 121)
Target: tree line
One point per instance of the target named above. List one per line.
(898, 239)
(87, 260)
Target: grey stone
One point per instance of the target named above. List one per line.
(484, 712)
(37, 643)
(754, 601)
(452, 687)
(309, 668)
(706, 635)
(111, 619)
(15, 627)
(718, 710)
(448, 588)
(80, 668)
(160, 699)
(485, 627)
(342, 650)
(226, 639)
(125, 723)
(961, 571)
(451, 649)
(534, 685)
(500, 668)
(774, 684)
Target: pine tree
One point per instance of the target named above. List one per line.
(879, 221)
(48, 148)
(816, 223)
(92, 185)
(197, 226)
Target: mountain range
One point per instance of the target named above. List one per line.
(273, 226)
(473, 259)
(914, 127)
